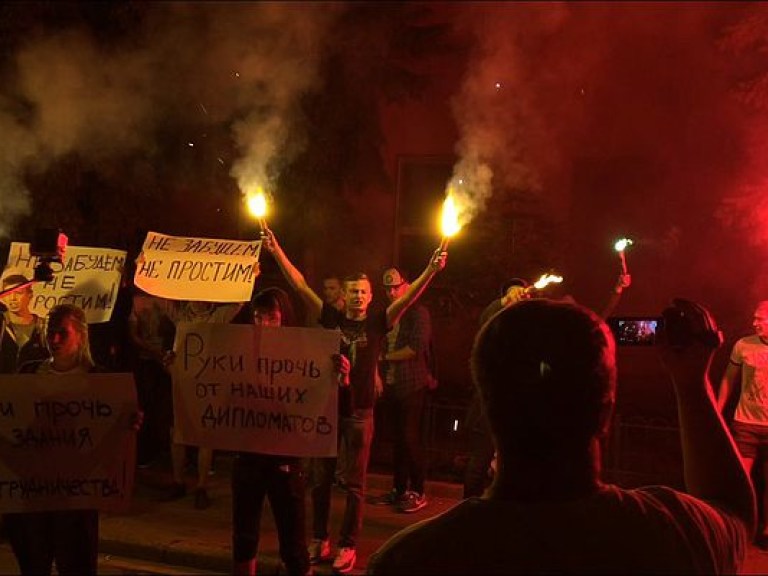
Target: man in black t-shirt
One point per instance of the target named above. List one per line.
(362, 334)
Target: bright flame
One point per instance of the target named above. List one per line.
(257, 204)
(622, 244)
(547, 279)
(449, 221)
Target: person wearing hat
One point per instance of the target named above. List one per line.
(406, 370)
(23, 332)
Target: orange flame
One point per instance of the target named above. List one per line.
(257, 206)
(449, 221)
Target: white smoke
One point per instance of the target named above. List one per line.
(241, 64)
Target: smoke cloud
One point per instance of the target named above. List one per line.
(623, 120)
(70, 91)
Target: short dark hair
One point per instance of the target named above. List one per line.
(356, 276)
(546, 372)
(271, 299)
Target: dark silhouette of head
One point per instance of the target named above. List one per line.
(546, 372)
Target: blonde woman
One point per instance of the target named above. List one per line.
(69, 538)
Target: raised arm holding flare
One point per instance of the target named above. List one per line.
(362, 334)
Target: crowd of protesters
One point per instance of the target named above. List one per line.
(545, 376)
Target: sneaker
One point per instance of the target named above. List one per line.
(412, 502)
(177, 490)
(387, 499)
(319, 551)
(345, 560)
(202, 501)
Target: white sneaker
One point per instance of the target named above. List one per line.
(345, 560)
(319, 551)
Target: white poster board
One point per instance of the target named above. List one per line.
(89, 278)
(204, 269)
(256, 389)
(66, 441)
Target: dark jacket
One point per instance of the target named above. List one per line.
(12, 357)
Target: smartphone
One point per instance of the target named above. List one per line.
(634, 331)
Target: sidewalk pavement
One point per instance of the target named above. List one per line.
(176, 534)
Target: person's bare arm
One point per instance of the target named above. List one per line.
(727, 385)
(292, 274)
(396, 309)
(623, 281)
(712, 466)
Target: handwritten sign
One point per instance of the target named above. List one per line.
(256, 389)
(66, 441)
(203, 269)
(88, 278)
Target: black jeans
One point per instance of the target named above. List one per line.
(406, 413)
(254, 477)
(69, 537)
(153, 388)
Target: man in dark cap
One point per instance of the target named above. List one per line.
(406, 371)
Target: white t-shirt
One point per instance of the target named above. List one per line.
(652, 530)
(751, 354)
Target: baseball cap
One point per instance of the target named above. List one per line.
(392, 277)
(13, 277)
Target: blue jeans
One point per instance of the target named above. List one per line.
(355, 436)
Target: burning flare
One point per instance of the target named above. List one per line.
(547, 279)
(449, 221)
(622, 244)
(257, 206)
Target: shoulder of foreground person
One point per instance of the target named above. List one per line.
(395, 555)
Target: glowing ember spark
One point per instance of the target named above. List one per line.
(257, 206)
(449, 221)
(547, 279)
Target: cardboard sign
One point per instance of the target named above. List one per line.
(256, 389)
(202, 269)
(88, 278)
(66, 441)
